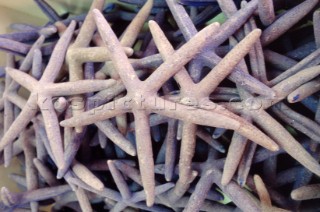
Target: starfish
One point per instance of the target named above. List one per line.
(133, 101)
(268, 123)
(266, 12)
(264, 196)
(134, 175)
(209, 58)
(166, 104)
(169, 147)
(239, 143)
(11, 199)
(113, 195)
(11, 96)
(75, 66)
(199, 91)
(77, 55)
(42, 92)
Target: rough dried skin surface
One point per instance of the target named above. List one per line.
(157, 107)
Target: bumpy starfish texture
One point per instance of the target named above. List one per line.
(41, 95)
(129, 78)
(199, 91)
(162, 94)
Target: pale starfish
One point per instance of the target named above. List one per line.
(41, 95)
(145, 100)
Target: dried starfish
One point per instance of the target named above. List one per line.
(306, 192)
(196, 92)
(268, 123)
(128, 78)
(227, 29)
(42, 95)
(286, 21)
(266, 12)
(77, 55)
(75, 66)
(31, 172)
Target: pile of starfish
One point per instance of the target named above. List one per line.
(161, 108)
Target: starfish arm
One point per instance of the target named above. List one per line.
(316, 24)
(131, 33)
(45, 172)
(285, 87)
(188, 144)
(145, 154)
(88, 27)
(245, 201)
(107, 95)
(119, 58)
(141, 195)
(171, 149)
(228, 63)
(22, 78)
(254, 134)
(306, 192)
(77, 56)
(310, 61)
(8, 120)
(191, 114)
(52, 128)
(27, 113)
(14, 47)
(213, 118)
(235, 152)
(17, 100)
(129, 171)
(228, 7)
(43, 193)
(238, 76)
(245, 163)
(83, 40)
(304, 91)
(1, 103)
(77, 87)
(262, 192)
(166, 50)
(284, 139)
(122, 123)
(100, 113)
(181, 57)
(266, 12)
(27, 62)
(83, 199)
(36, 70)
(87, 176)
(72, 142)
(149, 62)
(297, 121)
(119, 180)
(207, 137)
(185, 23)
(57, 56)
(108, 193)
(48, 10)
(116, 137)
(8, 111)
(200, 193)
(282, 90)
(286, 21)
(155, 119)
